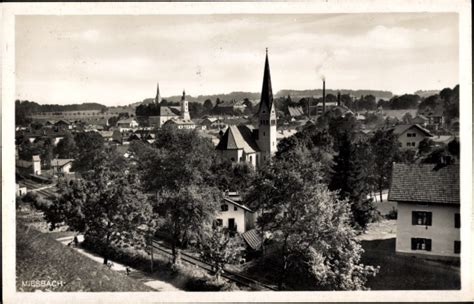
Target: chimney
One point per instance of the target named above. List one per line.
(338, 99)
(324, 95)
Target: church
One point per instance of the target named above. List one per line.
(247, 144)
(171, 114)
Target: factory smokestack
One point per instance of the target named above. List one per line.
(324, 95)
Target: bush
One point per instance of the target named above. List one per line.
(207, 283)
(30, 197)
(42, 204)
(392, 214)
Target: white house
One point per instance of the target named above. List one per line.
(234, 215)
(20, 190)
(30, 167)
(61, 165)
(410, 136)
(428, 199)
(127, 124)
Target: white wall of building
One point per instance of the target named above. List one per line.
(442, 231)
(411, 138)
(238, 214)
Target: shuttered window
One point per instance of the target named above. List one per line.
(457, 220)
(421, 218)
(457, 247)
(421, 244)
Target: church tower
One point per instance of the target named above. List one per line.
(267, 129)
(158, 96)
(184, 107)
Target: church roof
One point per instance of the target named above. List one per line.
(238, 137)
(266, 97)
(169, 111)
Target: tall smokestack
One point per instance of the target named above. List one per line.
(338, 99)
(324, 95)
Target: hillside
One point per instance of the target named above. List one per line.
(40, 257)
(319, 92)
(296, 94)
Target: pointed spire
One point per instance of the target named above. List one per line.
(267, 94)
(158, 96)
(184, 95)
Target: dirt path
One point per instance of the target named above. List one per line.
(135, 273)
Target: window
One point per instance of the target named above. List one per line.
(235, 208)
(273, 122)
(457, 247)
(250, 158)
(263, 133)
(421, 218)
(218, 222)
(224, 207)
(457, 220)
(421, 244)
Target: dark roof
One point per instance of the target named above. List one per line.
(169, 111)
(238, 137)
(400, 129)
(237, 204)
(252, 238)
(427, 183)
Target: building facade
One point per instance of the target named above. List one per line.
(428, 199)
(410, 136)
(235, 216)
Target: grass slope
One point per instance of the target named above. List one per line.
(400, 272)
(40, 257)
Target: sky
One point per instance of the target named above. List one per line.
(118, 60)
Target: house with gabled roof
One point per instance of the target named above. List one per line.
(61, 165)
(238, 145)
(234, 215)
(428, 205)
(255, 146)
(410, 135)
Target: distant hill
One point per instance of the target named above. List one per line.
(33, 107)
(256, 96)
(426, 93)
(319, 92)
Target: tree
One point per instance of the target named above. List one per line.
(208, 105)
(407, 118)
(66, 147)
(425, 146)
(385, 149)
(231, 176)
(177, 170)
(108, 206)
(218, 248)
(350, 176)
(186, 212)
(89, 145)
(310, 226)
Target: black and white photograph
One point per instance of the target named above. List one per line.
(168, 154)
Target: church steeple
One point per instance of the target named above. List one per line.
(266, 98)
(158, 96)
(184, 107)
(267, 116)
